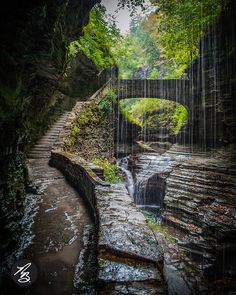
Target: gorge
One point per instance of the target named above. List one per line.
(113, 185)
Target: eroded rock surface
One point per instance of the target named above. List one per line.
(199, 200)
(128, 250)
(123, 228)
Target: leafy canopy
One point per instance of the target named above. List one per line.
(136, 53)
(180, 25)
(164, 43)
(99, 36)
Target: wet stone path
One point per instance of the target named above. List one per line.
(56, 237)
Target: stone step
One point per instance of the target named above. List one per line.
(41, 148)
(40, 151)
(53, 133)
(50, 139)
(38, 155)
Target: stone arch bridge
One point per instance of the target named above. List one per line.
(175, 90)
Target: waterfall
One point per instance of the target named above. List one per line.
(123, 164)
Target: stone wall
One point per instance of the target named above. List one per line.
(91, 132)
(80, 174)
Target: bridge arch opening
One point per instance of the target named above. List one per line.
(154, 123)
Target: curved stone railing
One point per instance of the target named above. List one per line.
(80, 175)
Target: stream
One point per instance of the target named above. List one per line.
(183, 275)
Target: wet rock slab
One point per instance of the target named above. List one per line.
(133, 288)
(130, 259)
(123, 228)
(113, 271)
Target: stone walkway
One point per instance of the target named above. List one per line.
(61, 221)
(60, 235)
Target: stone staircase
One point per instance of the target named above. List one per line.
(56, 221)
(43, 148)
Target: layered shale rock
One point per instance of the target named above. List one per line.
(196, 195)
(200, 201)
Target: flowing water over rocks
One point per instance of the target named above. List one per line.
(191, 194)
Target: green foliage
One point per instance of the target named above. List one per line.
(59, 46)
(179, 118)
(153, 113)
(163, 44)
(81, 122)
(179, 27)
(109, 97)
(155, 74)
(131, 4)
(111, 171)
(136, 52)
(99, 36)
(94, 113)
(126, 108)
(159, 229)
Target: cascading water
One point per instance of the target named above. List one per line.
(123, 164)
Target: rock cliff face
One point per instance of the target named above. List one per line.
(33, 56)
(214, 77)
(196, 195)
(200, 189)
(200, 193)
(200, 202)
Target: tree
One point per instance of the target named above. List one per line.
(136, 53)
(181, 24)
(99, 36)
(131, 4)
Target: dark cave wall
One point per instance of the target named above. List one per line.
(33, 56)
(214, 84)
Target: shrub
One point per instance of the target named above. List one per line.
(111, 171)
(109, 97)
